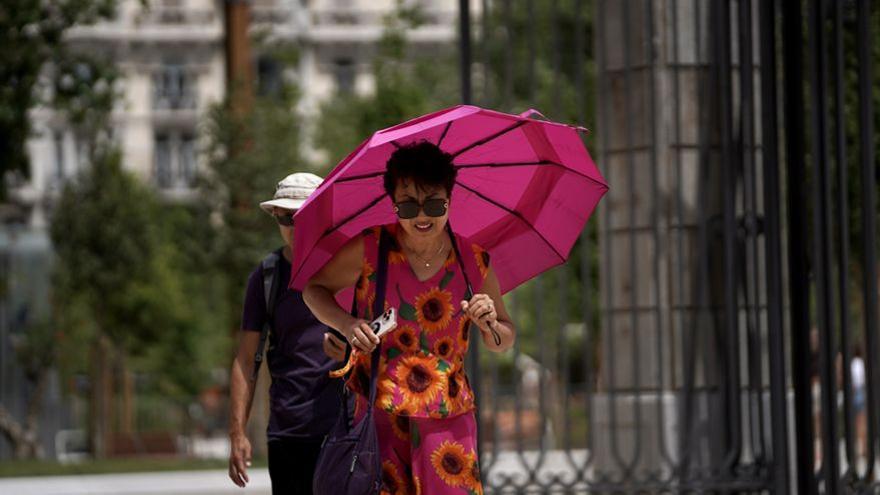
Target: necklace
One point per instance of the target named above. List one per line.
(427, 262)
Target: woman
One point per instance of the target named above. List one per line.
(424, 408)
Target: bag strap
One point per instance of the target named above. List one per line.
(378, 306)
(469, 292)
(271, 283)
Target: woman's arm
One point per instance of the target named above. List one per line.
(343, 270)
(488, 312)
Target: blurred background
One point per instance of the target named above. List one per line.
(714, 331)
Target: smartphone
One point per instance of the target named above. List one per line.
(385, 323)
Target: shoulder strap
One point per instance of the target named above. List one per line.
(469, 293)
(378, 306)
(271, 285)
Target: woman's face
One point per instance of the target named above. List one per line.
(422, 225)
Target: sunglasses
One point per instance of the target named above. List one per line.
(410, 209)
(285, 219)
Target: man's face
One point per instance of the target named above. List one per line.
(284, 218)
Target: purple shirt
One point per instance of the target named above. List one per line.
(304, 400)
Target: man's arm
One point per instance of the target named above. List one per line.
(241, 394)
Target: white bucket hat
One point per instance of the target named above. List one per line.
(292, 192)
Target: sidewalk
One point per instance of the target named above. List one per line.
(215, 482)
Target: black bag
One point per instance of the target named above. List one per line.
(349, 462)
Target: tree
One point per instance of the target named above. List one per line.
(248, 153)
(116, 287)
(31, 48)
(35, 349)
(407, 85)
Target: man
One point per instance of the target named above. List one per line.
(304, 401)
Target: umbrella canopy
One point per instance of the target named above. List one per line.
(524, 190)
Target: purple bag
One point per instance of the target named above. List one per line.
(349, 462)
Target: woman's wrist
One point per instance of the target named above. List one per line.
(493, 335)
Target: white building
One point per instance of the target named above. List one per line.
(171, 57)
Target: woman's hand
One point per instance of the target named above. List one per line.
(481, 310)
(361, 336)
(488, 312)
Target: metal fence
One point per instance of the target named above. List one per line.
(672, 353)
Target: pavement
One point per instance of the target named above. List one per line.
(212, 482)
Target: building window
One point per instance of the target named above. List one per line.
(343, 72)
(176, 160)
(268, 76)
(188, 162)
(163, 161)
(173, 88)
(59, 169)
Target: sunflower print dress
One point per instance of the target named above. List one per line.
(424, 408)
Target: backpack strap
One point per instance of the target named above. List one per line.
(469, 292)
(271, 286)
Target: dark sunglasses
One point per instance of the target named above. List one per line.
(286, 219)
(432, 208)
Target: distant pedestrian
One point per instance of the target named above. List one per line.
(304, 401)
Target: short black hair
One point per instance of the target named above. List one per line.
(422, 162)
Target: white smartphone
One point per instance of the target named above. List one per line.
(385, 323)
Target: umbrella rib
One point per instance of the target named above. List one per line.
(526, 164)
(359, 177)
(352, 216)
(485, 165)
(489, 138)
(343, 222)
(514, 213)
(445, 130)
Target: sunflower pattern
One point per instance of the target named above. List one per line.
(419, 357)
(444, 348)
(434, 310)
(425, 455)
(482, 257)
(406, 339)
(451, 463)
(362, 289)
(419, 380)
(392, 482)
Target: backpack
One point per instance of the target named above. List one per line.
(271, 287)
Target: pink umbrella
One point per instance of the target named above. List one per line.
(525, 189)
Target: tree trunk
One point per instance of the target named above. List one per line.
(101, 391)
(126, 421)
(25, 438)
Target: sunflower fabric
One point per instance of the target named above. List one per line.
(424, 410)
(426, 456)
(421, 371)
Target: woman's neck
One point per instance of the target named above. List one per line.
(421, 246)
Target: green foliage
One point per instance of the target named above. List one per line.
(117, 276)
(248, 155)
(407, 85)
(517, 54)
(31, 33)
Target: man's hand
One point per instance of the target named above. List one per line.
(334, 347)
(239, 459)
